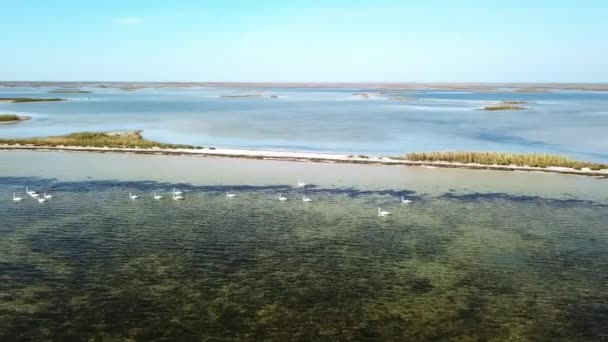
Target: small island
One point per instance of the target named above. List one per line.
(241, 96)
(12, 118)
(248, 96)
(533, 90)
(28, 99)
(402, 98)
(506, 105)
(129, 139)
(361, 95)
(69, 91)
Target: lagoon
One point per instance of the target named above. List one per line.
(562, 122)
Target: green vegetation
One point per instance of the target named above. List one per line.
(494, 158)
(9, 118)
(514, 102)
(503, 107)
(96, 139)
(28, 99)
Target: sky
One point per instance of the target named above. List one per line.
(305, 41)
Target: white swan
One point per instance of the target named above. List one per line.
(405, 201)
(282, 198)
(157, 197)
(29, 192)
(177, 197)
(230, 195)
(306, 199)
(16, 199)
(383, 212)
(41, 200)
(35, 195)
(47, 196)
(301, 184)
(177, 193)
(133, 197)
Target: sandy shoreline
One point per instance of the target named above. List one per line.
(303, 157)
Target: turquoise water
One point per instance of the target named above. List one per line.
(571, 123)
(467, 260)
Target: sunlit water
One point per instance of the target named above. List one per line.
(476, 256)
(571, 123)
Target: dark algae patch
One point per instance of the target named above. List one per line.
(93, 265)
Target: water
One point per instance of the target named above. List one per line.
(562, 122)
(476, 256)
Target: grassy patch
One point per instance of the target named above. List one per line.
(493, 158)
(28, 99)
(95, 139)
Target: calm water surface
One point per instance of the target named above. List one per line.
(571, 123)
(476, 256)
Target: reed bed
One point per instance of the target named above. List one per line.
(495, 158)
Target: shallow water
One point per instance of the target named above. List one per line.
(571, 123)
(466, 260)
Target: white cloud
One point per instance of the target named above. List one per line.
(131, 20)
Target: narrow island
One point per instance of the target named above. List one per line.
(133, 142)
(248, 96)
(28, 99)
(507, 105)
(69, 91)
(244, 96)
(361, 95)
(12, 118)
(402, 98)
(533, 90)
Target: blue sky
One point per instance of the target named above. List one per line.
(290, 41)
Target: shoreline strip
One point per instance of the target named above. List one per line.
(303, 157)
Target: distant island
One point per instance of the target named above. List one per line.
(28, 99)
(507, 105)
(248, 96)
(12, 118)
(69, 91)
(402, 98)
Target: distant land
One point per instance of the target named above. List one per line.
(490, 87)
